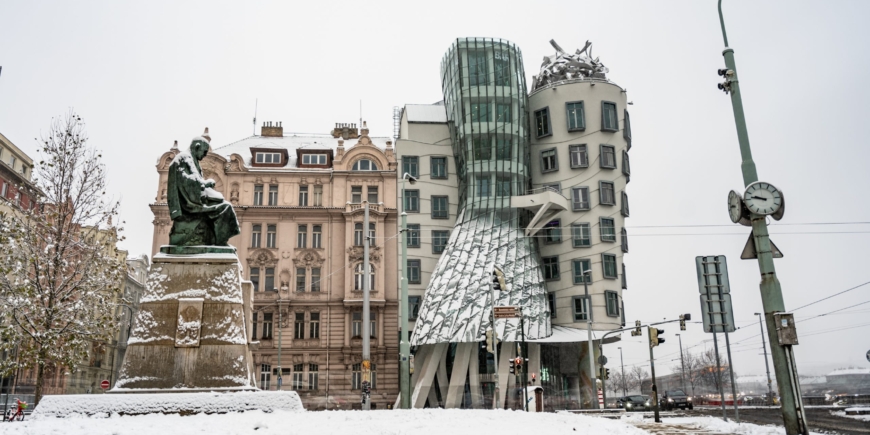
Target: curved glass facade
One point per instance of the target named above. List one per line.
(485, 97)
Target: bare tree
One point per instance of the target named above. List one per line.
(711, 377)
(636, 376)
(61, 271)
(614, 384)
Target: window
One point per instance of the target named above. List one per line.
(413, 236)
(481, 148)
(624, 280)
(605, 192)
(624, 208)
(608, 265)
(258, 194)
(626, 128)
(580, 235)
(439, 241)
(254, 316)
(314, 326)
(318, 195)
(315, 279)
(314, 159)
(542, 122)
(580, 198)
(302, 236)
(372, 192)
(581, 308)
(273, 194)
(356, 324)
(551, 304)
(300, 279)
(501, 61)
(372, 234)
(502, 186)
(357, 234)
(608, 231)
(608, 116)
(299, 327)
(317, 236)
(503, 112)
(624, 239)
(553, 232)
(255, 278)
(356, 377)
(271, 235)
(412, 201)
(477, 71)
(483, 186)
(303, 195)
(549, 162)
(312, 376)
(414, 272)
(268, 157)
(608, 157)
(551, 268)
(256, 231)
(576, 116)
(265, 376)
(413, 307)
(579, 268)
(439, 207)
(298, 376)
(4, 190)
(267, 326)
(411, 165)
(503, 148)
(612, 299)
(372, 324)
(365, 165)
(358, 277)
(480, 112)
(356, 194)
(270, 279)
(579, 156)
(438, 168)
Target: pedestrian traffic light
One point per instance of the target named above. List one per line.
(512, 369)
(498, 279)
(683, 318)
(636, 332)
(654, 339)
(519, 362)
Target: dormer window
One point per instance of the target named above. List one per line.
(365, 165)
(268, 158)
(314, 159)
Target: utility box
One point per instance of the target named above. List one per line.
(536, 398)
(785, 329)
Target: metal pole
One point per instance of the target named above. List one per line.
(719, 374)
(766, 365)
(731, 372)
(525, 365)
(280, 339)
(404, 345)
(784, 365)
(624, 393)
(366, 327)
(682, 365)
(495, 393)
(588, 302)
(655, 388)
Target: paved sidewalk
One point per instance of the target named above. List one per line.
(675, 429)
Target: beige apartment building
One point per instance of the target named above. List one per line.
(300, 200)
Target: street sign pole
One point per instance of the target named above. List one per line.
(655, 388)
(366, 326)
(496, 397)
(731, 373)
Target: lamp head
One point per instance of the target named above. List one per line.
(411, 179)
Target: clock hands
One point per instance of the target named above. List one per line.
(758, 197)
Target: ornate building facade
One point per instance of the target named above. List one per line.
(300, 200)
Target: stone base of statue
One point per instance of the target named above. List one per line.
(192, 328)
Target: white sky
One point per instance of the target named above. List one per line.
(144, 74)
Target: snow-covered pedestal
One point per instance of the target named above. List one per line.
(191, 330)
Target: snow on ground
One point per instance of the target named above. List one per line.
(865, 417)
(380, 422)
(718, 425)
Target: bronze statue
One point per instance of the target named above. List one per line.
(200, 215)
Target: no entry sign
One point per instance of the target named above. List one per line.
(104, 384)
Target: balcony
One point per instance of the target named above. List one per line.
(351, 207)
(545, 203)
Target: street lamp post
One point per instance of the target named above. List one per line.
(404, 345)
(682, 365)
(587, 275)
(766, 365)
(624, 393)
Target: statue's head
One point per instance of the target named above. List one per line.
(199, 145)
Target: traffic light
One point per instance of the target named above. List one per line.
(600, 372)
(654, 339)
(519, 362)
(498, 279)
(606, 373)
(513, 367)
(491, 340)
(636, 332)
(683, 318)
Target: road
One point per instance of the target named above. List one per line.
(819, 419)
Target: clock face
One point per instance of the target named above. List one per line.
(762, 198)
(735, 206)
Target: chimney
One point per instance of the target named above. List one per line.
(345, 131)
(272, 129)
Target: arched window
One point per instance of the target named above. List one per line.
(358, 277)
(365, 165)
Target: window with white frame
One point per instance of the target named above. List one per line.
(254, 317)
(314, 325)
(606, 195)
(313, 376)
(254, 276)
(317, 236)
(358, 277)
(358, 234)
(580, 304)
(302, 236)
(271, 235)
(412, 201)
(579, 268)
(438, 167)
(318, 195)
(581, 236)
(315, 279)
(356, 324)
(300, 279)
(412, 238)
(303, 195)
(273, 194)
(609, 122)
(608, 265)
(580, 198)
(270, 280)
(298, 376)
(365, 165)
(268, 158)
(267, 326)
(265, 376)
(608, 156)
(372, 192)
(256, 233)
(356, 194)
(549, 160)
(579, 156)
(299, 327)
(314, 159)
(608, 229)
(258, 194)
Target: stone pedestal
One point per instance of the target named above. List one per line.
(192, 329)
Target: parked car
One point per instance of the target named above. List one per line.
(673, 399)
(633, 403)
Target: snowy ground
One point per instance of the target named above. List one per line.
(864, 417)
(717, 425)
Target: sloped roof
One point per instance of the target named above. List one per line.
(291, 142)
(426, 113)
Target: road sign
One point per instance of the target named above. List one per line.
(749, 250)
(104, 384)
(602, 360)
(712, 274)
(717, 313)
(506, 312)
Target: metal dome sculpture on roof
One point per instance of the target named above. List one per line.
(564, 66)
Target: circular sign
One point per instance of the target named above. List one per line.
(105, 384)
(602, 360)
(868, 355)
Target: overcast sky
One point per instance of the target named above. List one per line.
(143, 74)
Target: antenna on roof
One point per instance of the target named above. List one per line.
(360, 113)
(255, 117)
